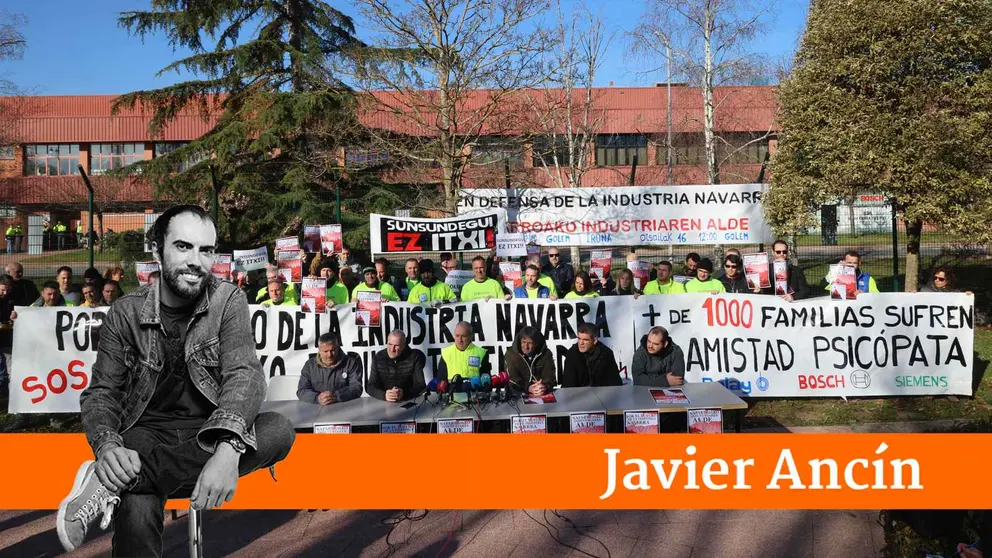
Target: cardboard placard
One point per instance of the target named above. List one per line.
(332, 428)
(456, 426)
(705, 421)
(640, 422)
(511, 245)
(408, 427)
(529, 424)
(587, 423)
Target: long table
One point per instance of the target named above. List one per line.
(369, 412)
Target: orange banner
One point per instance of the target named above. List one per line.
(491, 471)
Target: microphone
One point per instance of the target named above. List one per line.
(487, 381)
(504, 382)
(476, 383)
(461, 389)
(442, 389)
(432, 386)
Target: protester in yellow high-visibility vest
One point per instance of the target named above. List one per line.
(430, 290)
(463, 358)
(60, 233)
(372, 283)
(664, 284)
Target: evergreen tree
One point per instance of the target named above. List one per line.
(891, 97)
(280, 114)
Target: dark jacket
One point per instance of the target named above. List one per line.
(931, 288)
(23, 292)
(617, 291)
(344, 379)
(6, 329)
(220, 356)
(652, 370)
(736, 285)
(405, 372)
(563, 276)
(596, 368)
(524, 370)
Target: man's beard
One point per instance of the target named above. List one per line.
(180, 287)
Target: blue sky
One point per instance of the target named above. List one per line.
(77, 50)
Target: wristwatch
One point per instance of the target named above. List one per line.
(233, 441)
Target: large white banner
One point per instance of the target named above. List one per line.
(757, 346)
(762, 346)
(627, 216)
(49, 372)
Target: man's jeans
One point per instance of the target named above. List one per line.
(171, 461)
(10, 245)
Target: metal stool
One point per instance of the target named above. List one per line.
(195, 528)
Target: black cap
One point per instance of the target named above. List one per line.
(706, 264)
(425, 264)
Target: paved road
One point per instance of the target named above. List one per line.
(523, 533)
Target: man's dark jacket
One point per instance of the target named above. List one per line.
(539, 366)
(220, 354)
(647, 369)
(596, 368)
(405, 372)
(563, 277)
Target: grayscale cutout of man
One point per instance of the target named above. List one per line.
(172, 409)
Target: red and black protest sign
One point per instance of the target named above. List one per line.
(458, 234)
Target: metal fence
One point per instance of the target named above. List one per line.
(122, 241)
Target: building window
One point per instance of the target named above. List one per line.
(164, 148)
(6, 152)
(732, 148)
(741, 148)
(51, 159)
(358, 158)
(494, 150)
(619, 149)
(112, 156)
(551, 149)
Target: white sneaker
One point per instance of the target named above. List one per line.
(88, 499)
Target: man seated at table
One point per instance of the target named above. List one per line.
(397, 372)
(332, 376)
(530, 364)
(463, 358)
(658, 362)
(589, 362)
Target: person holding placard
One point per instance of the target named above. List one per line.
(332, 376)
(372, 283)
(50, 296)
(733, 279)
(22, 291)
(658, 362)
(583, 287)
(589, 362)
(464, 358)
(91, 296)
(795, 282)
(430, 290)
(397, 372)
(530, 363)
(703, 282)
(663, 283)
(481, 287)
(70, 292)
(692, 260)
(532, 288)
(336, 292)
(865, 283)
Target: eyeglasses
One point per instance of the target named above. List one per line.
(938, 278)
(552, 255)
(781, 251)
(730, 266)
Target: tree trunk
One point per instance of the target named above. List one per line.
(852, 225)
(708, 123)
(914, 231)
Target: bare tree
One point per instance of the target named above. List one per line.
(567, 113)
(441, 76)
(705, 42)
(12, 46)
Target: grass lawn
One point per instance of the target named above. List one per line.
(73, 256)
(831, 412)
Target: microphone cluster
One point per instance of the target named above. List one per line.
(486, 387)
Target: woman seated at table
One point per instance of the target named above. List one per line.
(530, 364)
